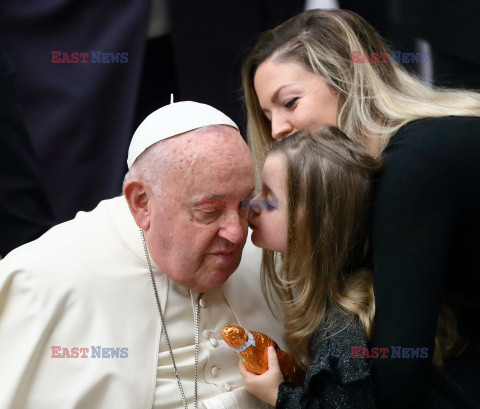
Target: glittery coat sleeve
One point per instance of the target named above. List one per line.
(334, 379)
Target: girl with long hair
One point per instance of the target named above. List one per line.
(322, 182)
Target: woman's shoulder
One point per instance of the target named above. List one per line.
(441, 131)
(436, 144)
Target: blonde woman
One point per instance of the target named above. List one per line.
(322, 184)
(330, 66)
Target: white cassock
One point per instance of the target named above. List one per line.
(85, 284)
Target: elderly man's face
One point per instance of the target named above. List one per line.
(199, 246)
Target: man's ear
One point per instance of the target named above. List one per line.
(137, 198)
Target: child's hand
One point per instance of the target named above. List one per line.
(264, 386)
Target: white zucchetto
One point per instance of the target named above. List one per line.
(171, 120)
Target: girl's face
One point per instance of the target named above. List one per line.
(268, 217)
(294, 99)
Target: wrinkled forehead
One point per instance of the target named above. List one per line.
(213, 157)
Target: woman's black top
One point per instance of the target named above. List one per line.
(426, 245)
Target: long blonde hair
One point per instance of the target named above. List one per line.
(329, 183)
(375, 99)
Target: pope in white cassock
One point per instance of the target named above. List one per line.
(122, 307)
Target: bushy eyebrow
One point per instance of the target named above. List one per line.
(208, 197)
(212, 196)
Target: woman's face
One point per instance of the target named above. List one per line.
(268, 216)
(294, 99)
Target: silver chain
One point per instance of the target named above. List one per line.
(196, 317)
